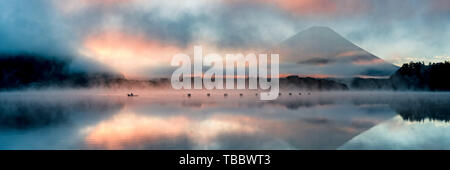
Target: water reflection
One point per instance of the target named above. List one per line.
(131, 130)
(34, 112)
(318, 121)
(422, 109)
(421, 123)
(399, 134)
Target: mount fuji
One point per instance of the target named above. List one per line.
(320, 51)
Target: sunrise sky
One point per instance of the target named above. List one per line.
(137, 37)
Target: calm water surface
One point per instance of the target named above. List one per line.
(169, 120)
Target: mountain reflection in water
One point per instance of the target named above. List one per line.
(346, 120)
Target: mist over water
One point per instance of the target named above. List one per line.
(168, 119)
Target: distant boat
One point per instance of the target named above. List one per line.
(132, 95)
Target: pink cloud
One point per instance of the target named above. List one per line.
(319, 7)
(440, 6)
(128, 53)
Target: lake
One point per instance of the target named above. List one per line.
(162, 119)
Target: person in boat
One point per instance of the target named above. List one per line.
(131, 95)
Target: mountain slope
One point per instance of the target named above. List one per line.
(320, 50)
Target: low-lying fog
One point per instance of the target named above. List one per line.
(170, 119)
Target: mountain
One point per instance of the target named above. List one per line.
(322, 51)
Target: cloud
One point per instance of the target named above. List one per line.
(440, 6)
(386, 28)
(127, 53)
(319, 7)
(27, 26)
(69, 7)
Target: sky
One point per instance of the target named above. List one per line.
(137, 37)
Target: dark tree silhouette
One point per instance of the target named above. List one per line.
(28, 70)
(418, 76)
(411, 76)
